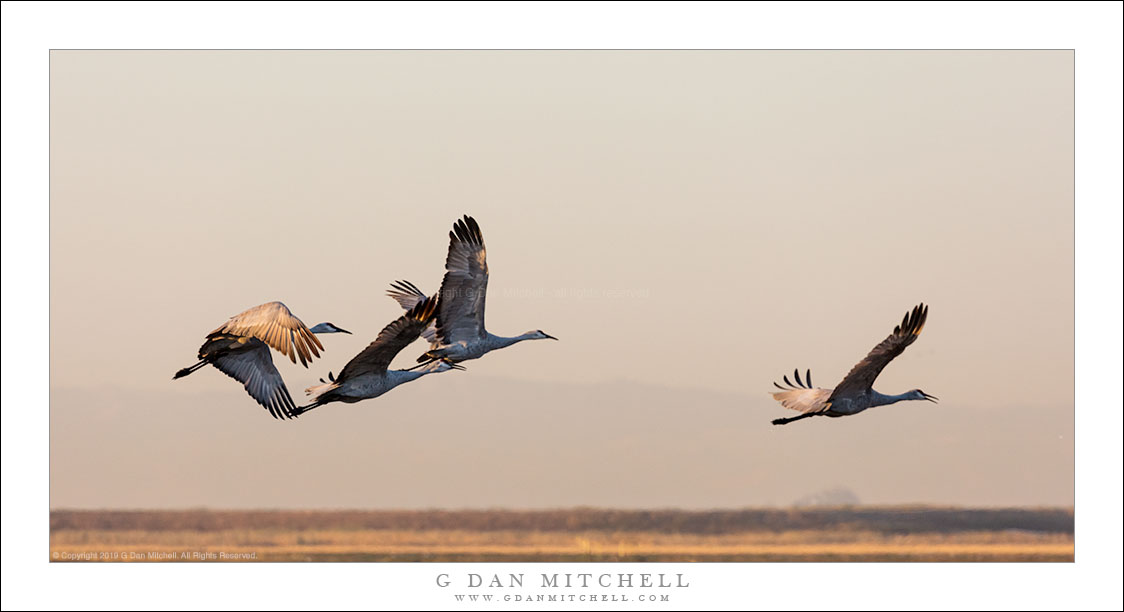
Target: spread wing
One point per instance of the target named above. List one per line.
(460, 311)
(408, 295)
(802, 396)
(253, 367)
(390, 341)
(861, 377)
(275, 325)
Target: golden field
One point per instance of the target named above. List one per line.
(840, 534)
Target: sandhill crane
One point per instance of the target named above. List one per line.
(240, 349)
(854, 394)
(366, 376)
(458, 333)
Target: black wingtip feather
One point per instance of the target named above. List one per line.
(424, 310)
(806, 383)
(291, 406)
(281, 405)
(474, 227)
(406, 286)
(467, 230)
(913, 320)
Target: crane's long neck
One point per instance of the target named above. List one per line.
(879, 399)
(499, 342)
(401, 377)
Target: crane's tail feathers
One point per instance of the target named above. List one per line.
(804, 400)
(188, 370)
(315, 392)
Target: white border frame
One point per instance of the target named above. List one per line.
(1093, 29)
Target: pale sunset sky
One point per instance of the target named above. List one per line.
(691, 224)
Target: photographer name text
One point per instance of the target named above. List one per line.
(604, 581)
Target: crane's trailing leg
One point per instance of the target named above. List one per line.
(422, 364)
(791, 419)
(433, 355)
(453, 365)
(189, 370)
(299, 410)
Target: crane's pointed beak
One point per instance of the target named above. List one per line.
(549, 336)
(328, 328)
(931, 398)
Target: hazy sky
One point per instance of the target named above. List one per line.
(692, 225)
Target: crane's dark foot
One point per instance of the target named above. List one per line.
(299, 410)
(791, 419)
(188, 370)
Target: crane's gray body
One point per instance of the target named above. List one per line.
(475, 349)
(370, 386)
(854, 404)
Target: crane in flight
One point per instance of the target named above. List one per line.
(458, 333)
(854, 394)
(240, 349)
(367, 375)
